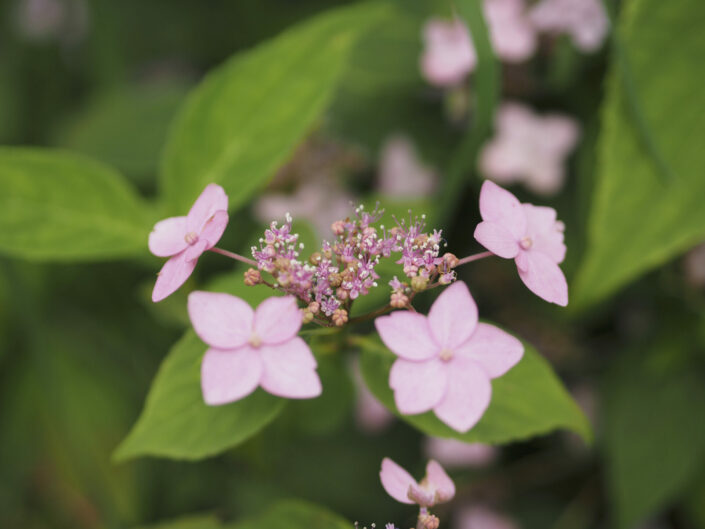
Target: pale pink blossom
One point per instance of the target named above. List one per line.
(252, 348)
(512, 35)
(449, 55)
(436, 487)
(401, 172)
(530, 235)
(184, 239)
(529, 148)
(481, 517)
(446, 359)
(584, 20)
(452, 453)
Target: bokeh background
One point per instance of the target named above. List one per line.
(81, 342)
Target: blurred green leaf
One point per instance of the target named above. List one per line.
(125, 128)
(247, 117)
(176, 423)
(639, 220)
(654, 434)
(295, 515)
(205, 521)
(55, 205)
(528, 401)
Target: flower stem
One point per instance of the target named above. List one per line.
(475, 257)
(233, 256)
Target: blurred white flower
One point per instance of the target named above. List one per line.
(529, 148)
(584, 20)
(401, 172)
(63, 20)
(456, 454)
(512, 35)
(481, 517)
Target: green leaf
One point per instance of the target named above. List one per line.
(125, 128)
(654, 433)
(246, 117)
(202, 521)
(295, 515)
(55, 205)
(639, 218)
(528, 401)
(176, 423)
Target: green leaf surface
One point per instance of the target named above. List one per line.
(246, 117)
(176, 423)
(59, 206)
(295, 515)
(202, 521)
(639, 218)
(528, 401)
(654, 434)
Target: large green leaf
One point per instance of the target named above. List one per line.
(247, 116)
(529, 400)
(60, 206)
(643, 215)
(654, 433)
(198, 521)
(295, 515)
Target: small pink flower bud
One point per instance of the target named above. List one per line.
(308, 316)
(335, 280)
(315, 258)
(340, 317)
(314, 307)
(399, 300)
(447, 279)
(338, 227)
(252, 277)
(341, 293)
(429, 521)
(450, 260)
(419, 283)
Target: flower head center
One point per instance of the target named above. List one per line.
(191, 238)
(446, 355)
(526, 243)
(255, 340)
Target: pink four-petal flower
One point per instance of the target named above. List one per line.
(530, 235)
(446, 360)
(435, 487)
(184, 239)
(252, 348)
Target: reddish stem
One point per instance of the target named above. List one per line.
(475, 257)
(235, 256)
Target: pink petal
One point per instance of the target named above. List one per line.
(418, 386)
(467, 397)
(220, 320)
(453, 316)
(290, 370)
(458, 454)
(493, 349)
(421, 496)
(173, 274)
(214, 228)
(229, 375)
(501, 207)
(396, 481)
(497, 239)
(278, 319)
(545, 231)
(167, 237)
(543, 277)
(440, 482)
(212, 199)
(195, 250)
(448, 52)
(407, 335)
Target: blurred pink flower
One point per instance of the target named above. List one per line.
(319, 200)
(584, 20)
(370, 414)
(512, 35)
(530, 235)
(694, 266)
(184, 239)
(446, 360)
(452, 453)
(435, 487)
(401, 173)
(481, 517)
(529, 148)
(252, 348)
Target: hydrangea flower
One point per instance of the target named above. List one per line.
(482, 517)
(512, 35)
(584, 20)
(529, 148)
(456, 454)
(446, 359)
(530, 235)
(184, 239)
(252, 348)
(436, 487)
(401, 172)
